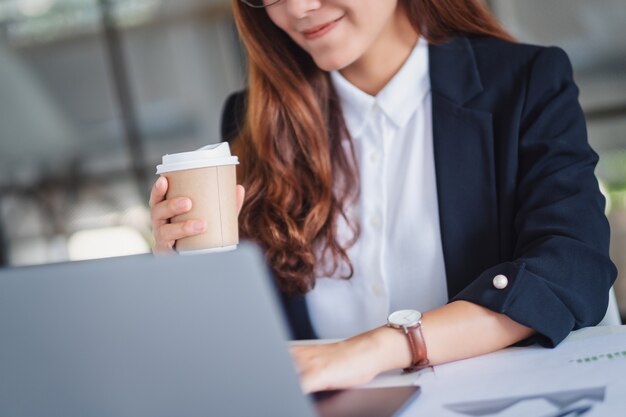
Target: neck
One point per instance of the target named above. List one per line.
(372, 71)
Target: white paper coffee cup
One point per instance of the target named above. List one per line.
(208, 177)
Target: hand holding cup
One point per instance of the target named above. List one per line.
(195, 203)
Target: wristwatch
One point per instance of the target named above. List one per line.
(410, 321)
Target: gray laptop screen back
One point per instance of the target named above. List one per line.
(144, 336)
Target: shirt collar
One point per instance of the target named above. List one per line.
(398, 100)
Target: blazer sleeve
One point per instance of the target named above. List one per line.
(232, 116)
(560, 275)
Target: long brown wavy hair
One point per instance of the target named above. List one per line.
(299, 179)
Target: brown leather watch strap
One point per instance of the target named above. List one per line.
(418, 348)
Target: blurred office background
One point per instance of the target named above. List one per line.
(93, 92)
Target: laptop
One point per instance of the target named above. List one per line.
(146, 336)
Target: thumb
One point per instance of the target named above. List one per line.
(241, 193)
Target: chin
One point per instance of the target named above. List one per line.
(331, 63)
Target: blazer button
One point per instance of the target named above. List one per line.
(500, 282)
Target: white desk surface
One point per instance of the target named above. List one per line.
(586, 372)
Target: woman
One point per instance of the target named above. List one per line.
(408, 155)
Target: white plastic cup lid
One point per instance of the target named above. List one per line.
(207, 156)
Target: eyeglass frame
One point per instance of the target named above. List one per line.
(254, 6)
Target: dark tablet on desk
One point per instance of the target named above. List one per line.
(365, 402)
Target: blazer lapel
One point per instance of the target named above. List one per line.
(464, 164)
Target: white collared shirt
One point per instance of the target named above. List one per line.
(398, 259)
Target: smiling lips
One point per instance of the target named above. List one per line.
(321, 30)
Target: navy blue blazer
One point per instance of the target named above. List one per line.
(516, 187)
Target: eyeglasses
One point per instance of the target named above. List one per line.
(259, 4)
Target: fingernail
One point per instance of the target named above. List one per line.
(160, 182)
(184, 204)
(198, 226)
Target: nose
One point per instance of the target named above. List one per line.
(301, 8)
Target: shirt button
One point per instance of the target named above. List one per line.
(500, 282)
(374, 157)
(376, 108)
(375, 221)
(378, 289)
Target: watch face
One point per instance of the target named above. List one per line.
(405, 318)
